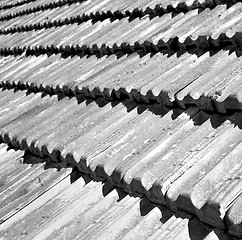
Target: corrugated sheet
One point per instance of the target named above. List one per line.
(185, 29)
(183, 159)
(75, 207)
(67, 103)
(107, 7)
(23, 179)
(6, 4)
(212, 82)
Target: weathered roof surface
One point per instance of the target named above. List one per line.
(184, 159)
(69, 205)
(23, 180)
(143, 96)
(208, 79)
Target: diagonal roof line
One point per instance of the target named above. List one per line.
(157, 10)
(16, 4)
(39, 8)
(101, 97)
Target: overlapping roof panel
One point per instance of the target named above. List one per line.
(208, 79)
(69, 205)
(23, 179)
(143, 95)
(171, 156)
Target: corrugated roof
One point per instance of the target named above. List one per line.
(212, 82)
(69, 205)
(121, 91)
(209, 79)
(186, 29)
(185, 159)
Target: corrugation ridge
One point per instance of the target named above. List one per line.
(146, 46)
(158, 10)
(131, 193)
(57, 158)
(52, 5)
(154, 44)
(119, 95)
(58, 23)
(16, 4)
(22, 181)
(64, 162)
(203, 102)
(107, 206)
(46, 190)
(114, 95)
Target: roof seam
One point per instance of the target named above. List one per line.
(233, 44)
(116, 95)
(158, 10)
(132, 193)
